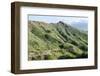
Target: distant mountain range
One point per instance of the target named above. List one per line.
(80, 25)
(50, 41)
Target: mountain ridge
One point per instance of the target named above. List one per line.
(70, 42)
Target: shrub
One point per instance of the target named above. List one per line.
(65, 57)
(48, 57)
(74, 43)
(61, 46)
(84, 55)
(83, 47)
(48, 31)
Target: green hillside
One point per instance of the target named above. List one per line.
(50, 41)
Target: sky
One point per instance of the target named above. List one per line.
(78, 22)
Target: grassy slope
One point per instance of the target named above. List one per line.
(55, 41)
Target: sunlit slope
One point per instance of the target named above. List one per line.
(48, 41)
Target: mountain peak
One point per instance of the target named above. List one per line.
(61, 22)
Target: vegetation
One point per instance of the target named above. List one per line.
(50, 41)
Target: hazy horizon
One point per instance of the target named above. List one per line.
(77, 22)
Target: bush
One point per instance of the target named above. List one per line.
(33, 58)
(84, 55)
(61, 46)
(74, 43)
(46, 36)
(65, 57)
(48, 31)
(48, 57)
(83, 47)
